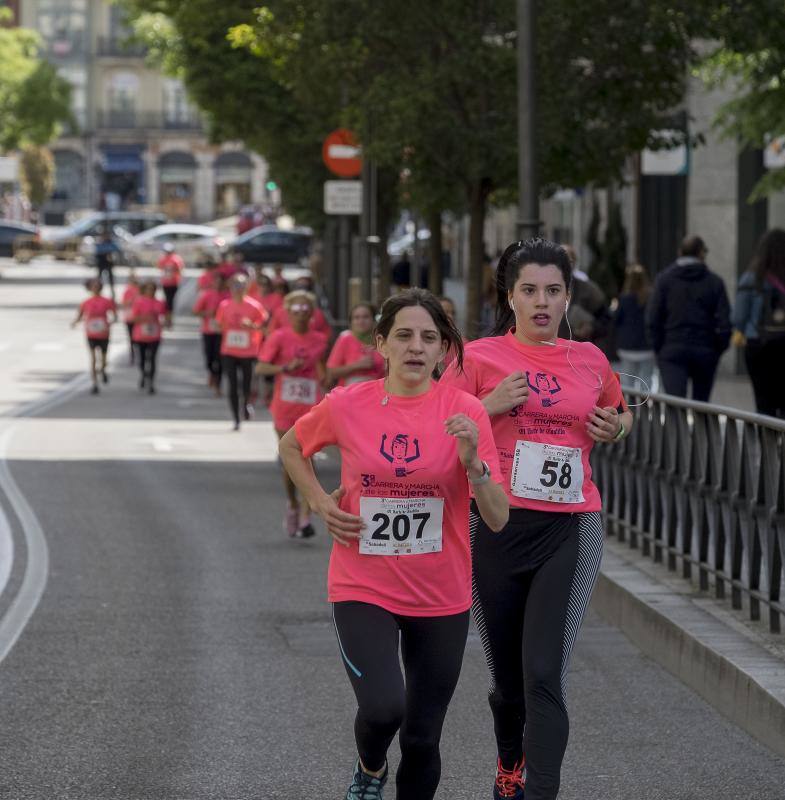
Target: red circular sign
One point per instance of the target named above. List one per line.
(341, 154)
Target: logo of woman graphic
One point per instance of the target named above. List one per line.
(543, 387)
(399, 453)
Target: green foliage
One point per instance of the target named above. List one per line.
(750, 59)
(37, 173)
(34, 100)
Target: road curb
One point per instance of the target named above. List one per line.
(721, 662)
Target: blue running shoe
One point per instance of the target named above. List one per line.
(365, 786)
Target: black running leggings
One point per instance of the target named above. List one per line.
(211, 344)
(169, 295)
(532, 584)
(432, 652)
(232, 365)
(148, 353)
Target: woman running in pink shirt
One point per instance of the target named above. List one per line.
(400, 568)
(240, 320)
(550, 400)
(354, 357)
(98, 313)
(148, 315)
(294, 354)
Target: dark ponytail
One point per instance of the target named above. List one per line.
(519, 254)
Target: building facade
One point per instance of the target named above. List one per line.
(138, 141)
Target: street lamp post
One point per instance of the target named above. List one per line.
(528, 184)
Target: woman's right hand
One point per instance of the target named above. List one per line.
(512, 391)
(343, 527)
(738, 339)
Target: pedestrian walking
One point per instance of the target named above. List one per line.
(688, 322)
(589, 317)
(294, 354)
(106, 253)
(636, 356)
(354, 357)
(549, 400)
(98, 313)
(399, 575)
(206, 307)
(171, 267)
(130, 293)
(149, 315)
(759, 322)
(241, 320)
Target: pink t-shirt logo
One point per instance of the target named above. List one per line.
(545, 387)
(401, 455)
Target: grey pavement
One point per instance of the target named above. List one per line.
(183, 647)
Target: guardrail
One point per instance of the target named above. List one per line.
(702, 487)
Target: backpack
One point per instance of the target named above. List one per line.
(771, 326)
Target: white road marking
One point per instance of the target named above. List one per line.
(37, 566)
(48, 347)
(6, 550)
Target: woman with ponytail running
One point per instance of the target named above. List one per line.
(550, 400)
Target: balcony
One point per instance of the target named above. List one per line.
(119, 47)
(107, 119)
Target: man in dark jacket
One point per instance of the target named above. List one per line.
(688, 322)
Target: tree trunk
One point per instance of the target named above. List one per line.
(435, 276)
(478, 196)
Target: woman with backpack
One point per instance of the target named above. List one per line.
(759, 322)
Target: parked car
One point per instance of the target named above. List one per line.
(66, 242)
(194, 243)
(10, 230)
(268, 244)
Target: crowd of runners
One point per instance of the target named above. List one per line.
(466, 486)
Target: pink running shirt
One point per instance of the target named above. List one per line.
(238, 340)
(146, 314)
(95, 312)
(399, 451)
(130, 294)
(347, 350)
(208, 301)
(562, 393)
(171, 266)
(294, 393)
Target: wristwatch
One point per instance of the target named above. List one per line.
(484, 478)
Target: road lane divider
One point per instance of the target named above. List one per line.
(36, 573)
(6, 550)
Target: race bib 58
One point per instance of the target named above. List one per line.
(547, 472)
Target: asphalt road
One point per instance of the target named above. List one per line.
(182, 646)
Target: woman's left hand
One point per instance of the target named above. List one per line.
(465, 431)
(603, 424)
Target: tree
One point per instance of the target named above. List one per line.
(34, 100)
(37, 173)
(750, 58)
(431, 89)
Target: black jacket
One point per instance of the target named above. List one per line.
(689, 308)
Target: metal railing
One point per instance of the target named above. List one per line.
(702, 487)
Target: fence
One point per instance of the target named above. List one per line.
(702, 487)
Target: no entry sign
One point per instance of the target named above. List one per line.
(342, 154)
